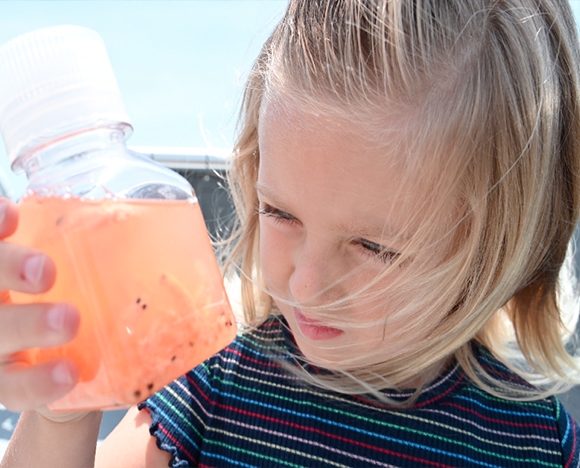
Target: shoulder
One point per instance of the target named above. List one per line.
(569, 434)
(130, 444)
(540, 429)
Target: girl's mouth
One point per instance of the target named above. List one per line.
(315, 330)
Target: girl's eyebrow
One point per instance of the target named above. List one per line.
(376, 231)
(364, 227)
(271, 195)
(267, 192)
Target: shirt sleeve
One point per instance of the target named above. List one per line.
(569, 431)
(179, 413)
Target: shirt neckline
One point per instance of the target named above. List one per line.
(446, 384)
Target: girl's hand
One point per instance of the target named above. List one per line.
(23, 326)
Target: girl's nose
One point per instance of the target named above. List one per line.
(311, 280)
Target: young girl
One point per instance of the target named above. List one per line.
(407, 180)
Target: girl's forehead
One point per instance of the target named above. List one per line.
(383, 140)
(333, 167)
(383, 126)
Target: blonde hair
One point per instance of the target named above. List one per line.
(492, 87)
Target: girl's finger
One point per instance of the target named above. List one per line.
(24, 269)
(24, 388)
(5, 297)
(8, 217)
(36, 325)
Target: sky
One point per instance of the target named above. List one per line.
(180, 65)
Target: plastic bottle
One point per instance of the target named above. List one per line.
(127, 234)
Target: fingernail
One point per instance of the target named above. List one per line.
(3, 206)
(55, 317)
(33, 268)
(61, 374)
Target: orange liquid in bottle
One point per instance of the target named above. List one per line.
(145, 279)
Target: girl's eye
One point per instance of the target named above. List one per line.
(276, 214)
(378, 251)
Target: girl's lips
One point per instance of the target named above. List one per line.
(314, 330)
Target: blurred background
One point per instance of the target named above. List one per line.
(181, 66)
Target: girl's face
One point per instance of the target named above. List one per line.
(333, 215)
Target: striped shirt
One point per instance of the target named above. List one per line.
(241, 408)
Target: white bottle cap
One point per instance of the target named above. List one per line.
(55, 82)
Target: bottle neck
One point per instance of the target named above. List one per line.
(80, 145)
